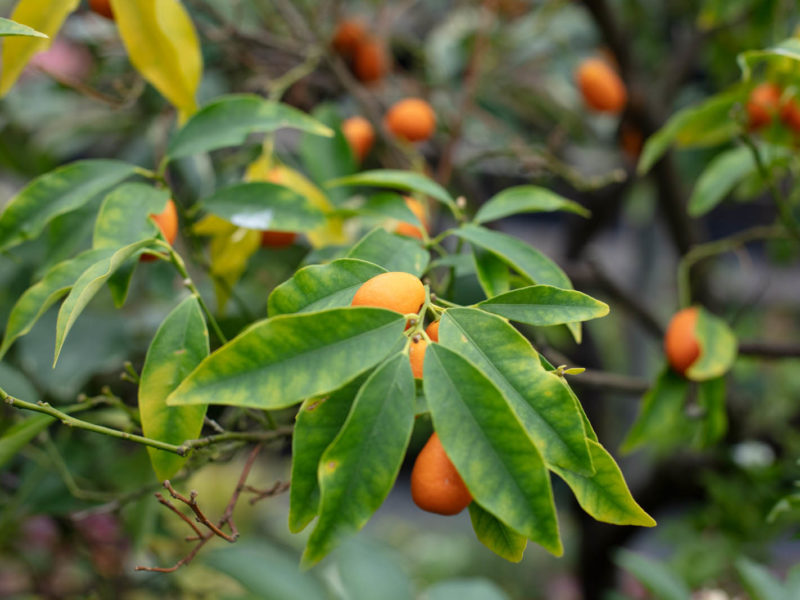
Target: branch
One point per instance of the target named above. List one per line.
(769, 349)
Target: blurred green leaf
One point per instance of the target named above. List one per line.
(368, 571)
(661, 413)
(720, 177)
(711, 397)
(718, 347)
(12, 28)
(392, 252)
(545, 305)
(492, 272)
(526, 199)
(407, 181)
(760, 583)
(654, 575)
(390, 205)
(318, 287)
(495, 535)
(788, 48)
(283, 360)
(328, 157)
(19, 434)
(475, 588)
(55, 193)
(227, 121)
(179, 345)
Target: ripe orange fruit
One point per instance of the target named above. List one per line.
(762, 105)
(433, 331)
(790, 114)
(680, 342)
(601, 87)
(277, 239)
(102, 7)
(370, 61)
(167, 221)
(347, 37)
(359, 135)
(411, 119)
(398, 291)
(436, 486)
(416, 355)
(408, 229)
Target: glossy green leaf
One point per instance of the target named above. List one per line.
(654, 575)
(46, 16)
(718, 347)
(179, 345)
(545, 305)
(318, 287)
(492, 272)
(489, 447)
(587, 426)
(720, 177)
(605, 495)
(495, 535)
(759, 582)
(12, 28)
(359, 468)
(55, 193)
(788, 48)
(526, 199)
(407, 181)
(87, 285)
(706, 124)
(263, 205)
(265, 571)
(474, 588)
(283, 360)
(661, 414)
(16, 437)
(40, 296)
(392, 252)
(227, 121)
(540, 400)
(318, 423)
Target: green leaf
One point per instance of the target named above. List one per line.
(327, 157)
(55, 193)
(392, 252)
(492, 272)
(661, 414)
(263, 205)
(788, 48)
(39, 297)
(179, 345)
(318, 287)
(265, 571)
(587, 426)
(706, 124)
(474, 588)
(20, 434)
(498, 537)
(368, 571)
(718, 179)
(391, 205)
(655, 576)
(540, 400)
(711, 398)
(760, 583)
(318, 422)
(283, 360)
(407, 181)
(491, 450)
(605, 495)
(718, 347)
(545, 305)
(227, 121)
(359, 468)
(12, 28)
(87, 285)
(526, 199)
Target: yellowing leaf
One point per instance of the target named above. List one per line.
(162, 44)
(262, 169)
(45, 16)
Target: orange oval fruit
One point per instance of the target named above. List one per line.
(680, 342)
(416, 354)
(398, 291)
(370, 61)
(762, 105)
(277, 239)
(102, 7)
(411, 119)
(433, 331)
(601, 87)
(409, 229)
(359, 135)
(347, 37)
(436, 486)
(790, 114)
(167, 221)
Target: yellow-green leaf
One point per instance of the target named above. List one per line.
(162, 44)
(45, 16)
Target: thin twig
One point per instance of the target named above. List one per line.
(160, 497)
(279, 488)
